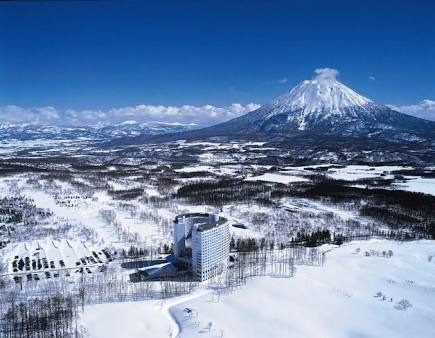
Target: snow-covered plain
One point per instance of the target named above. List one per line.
(352, 295)
(129, 320)
(425, 185)
(277, 178)
(356, 172)
(418, 184)
(87, 211)
(337, 300)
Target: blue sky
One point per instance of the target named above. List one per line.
(101, 55)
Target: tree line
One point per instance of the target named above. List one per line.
(55, 316)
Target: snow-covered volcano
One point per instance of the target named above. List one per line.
(322, 119)
(320, 98)
(325, 106)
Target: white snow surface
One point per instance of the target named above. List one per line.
(357, 172)
(70, 251)
(418, 184)
(336, 300)
(129, 319)
(277, 178)
(319, 95)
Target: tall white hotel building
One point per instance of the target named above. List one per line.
(202, 243)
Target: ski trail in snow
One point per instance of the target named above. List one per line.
(175, 323)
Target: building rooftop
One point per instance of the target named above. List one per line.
(189, 215)
(207, 226)
(204, 221)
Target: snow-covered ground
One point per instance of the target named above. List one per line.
(418, 184)
(277, 178)
(352, 295)
(88, 211)
(357, 172)
(129, 320)
(52, 256)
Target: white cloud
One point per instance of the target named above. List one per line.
(327, 74)
(371, 77)
(283, 80)
(200, 115)
(425, 109)
(36, 115)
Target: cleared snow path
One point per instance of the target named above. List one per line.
(170, 307)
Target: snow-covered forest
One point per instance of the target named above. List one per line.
(70, 224)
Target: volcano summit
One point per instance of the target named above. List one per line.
(325, 106)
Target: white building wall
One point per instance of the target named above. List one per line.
(181, 231)
(179, 238)
(210, 250)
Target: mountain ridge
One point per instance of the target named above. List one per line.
(320, 119)
(324, 106)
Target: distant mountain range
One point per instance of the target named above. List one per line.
(317, 107)
(323, 107)
(320, 116)
(125, 130)
(324, 120)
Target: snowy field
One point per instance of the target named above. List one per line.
(98, 219)
(277, 178)
(70, 205)
(129, 319)
(418, 184)
(355, 294)
(357, 172)
(78, 207)
(39, 259)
